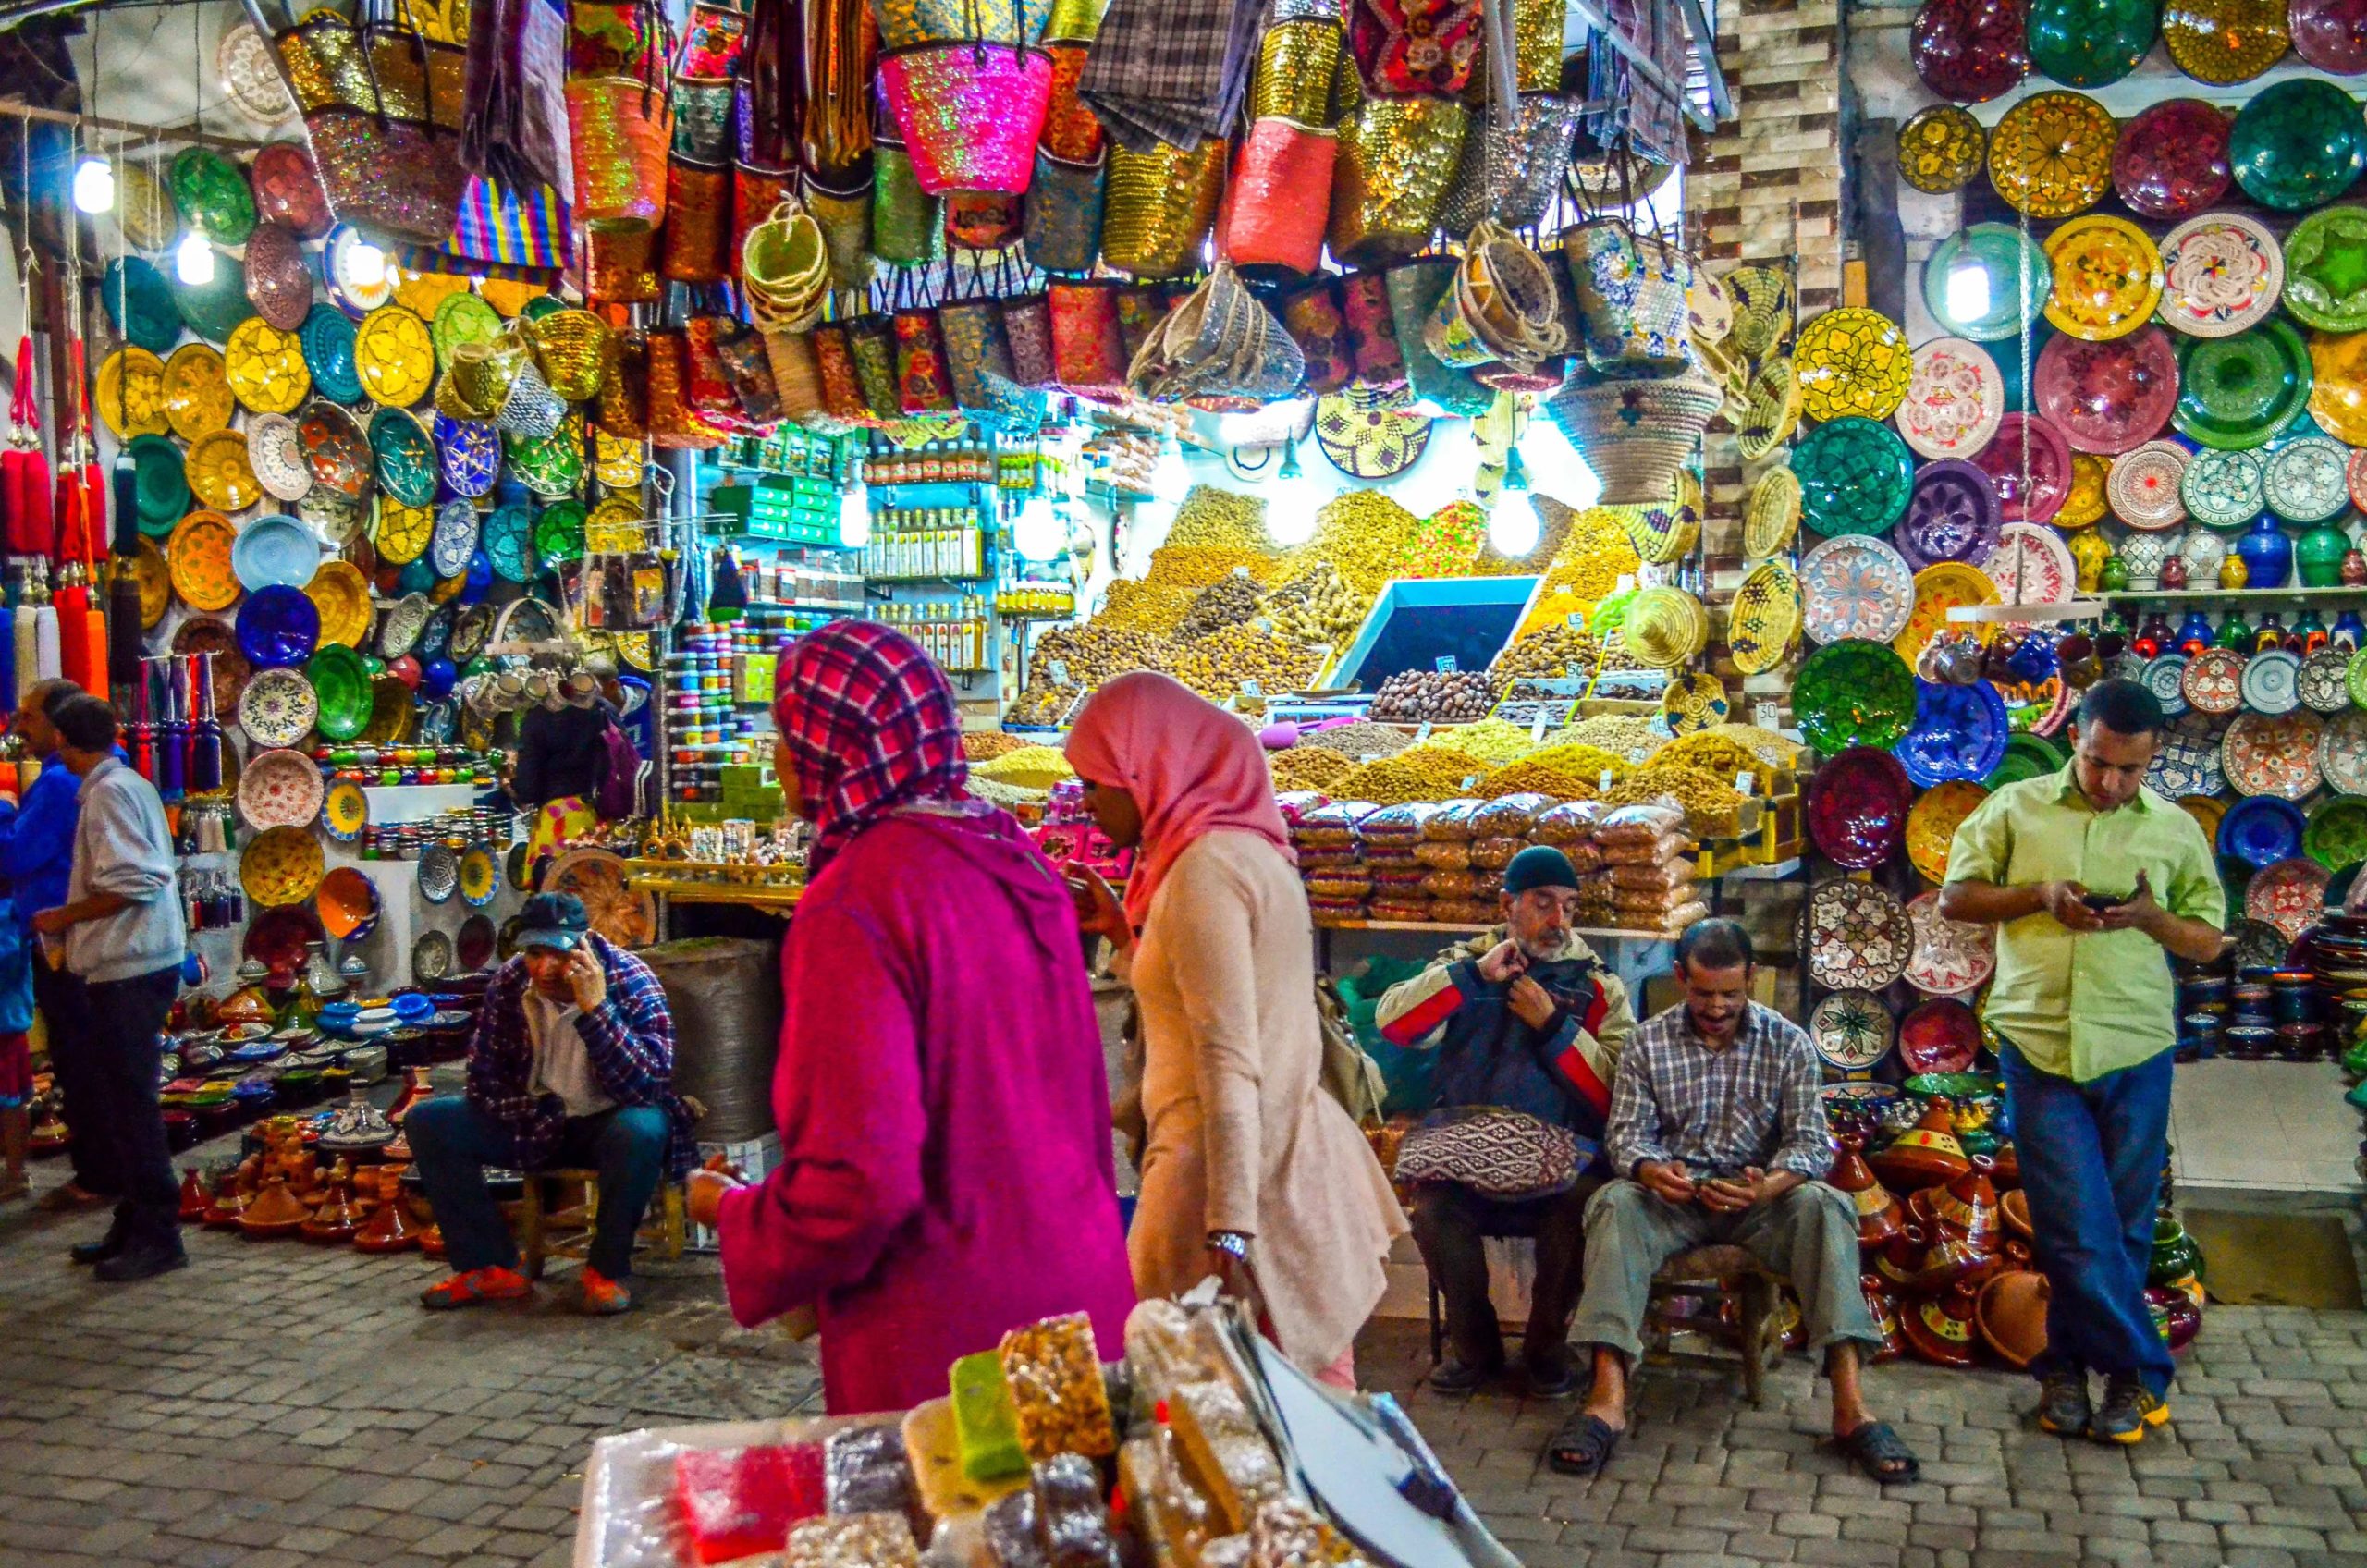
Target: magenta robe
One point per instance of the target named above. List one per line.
(944, 1115)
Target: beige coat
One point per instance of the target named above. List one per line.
(1242, 1136)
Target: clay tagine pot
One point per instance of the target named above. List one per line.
(336, 1219)
(1920, 1263)
(389, 1230)
(2007, 1174)
(2014, 1208)
(431, 1242)
(1879, 1215)
(193, 1197)
(231, 1199)
(276, 1213)
(2011, 1315)
(1884, 1308)
(1940, 1328)
(1965, 1207)
(2176, 1254)
(1925, 1154)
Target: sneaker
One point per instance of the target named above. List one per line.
(2129, 1408)
(604, 1297)
(1456, 1376)
(136, 1263)
(476, 1285)
(2063, 1407)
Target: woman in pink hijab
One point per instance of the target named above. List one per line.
(1250, 1171)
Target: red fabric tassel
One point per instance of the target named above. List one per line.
(26, 471)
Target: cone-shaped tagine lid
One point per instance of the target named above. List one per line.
(1925, 1154)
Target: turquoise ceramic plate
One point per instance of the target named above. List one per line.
(2242, 391)
(140, 303)
(327, 337)
(161, 484)
(2298, 144)
(2325, 270)
(509, 542)
(1987, 282)
(404, 456)
(1856, 476)
(215, 308)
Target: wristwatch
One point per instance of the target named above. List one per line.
(1231, 1243)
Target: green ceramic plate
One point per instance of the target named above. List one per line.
(2357, 679)
(541, 305)
(2298, 144)
(509, 542)
(554, 464)
(2337, 836)
(161, 484)
(462, 318)
(2223, 489)
(1988, 282)
(140, 303)
(343, 687)
(404, 456)
(2241, 391)
(213, 310)
(2026, 756)
(2083, 43)
(558, 533)
(1856, 475)
(1854, 692)
(212, 195)
(2325, 270)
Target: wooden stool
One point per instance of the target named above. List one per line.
(1717, 1275)
(535, 1221)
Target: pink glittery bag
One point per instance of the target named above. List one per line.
(970, 113)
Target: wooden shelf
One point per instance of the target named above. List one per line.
(2231, 596)
(1623, 933)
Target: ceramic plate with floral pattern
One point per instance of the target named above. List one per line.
(2291, 895)
(2144, 485)
(277, 708)
(1855, 585)
(1852, 360)
(2221, 272)
(2224, 487)
(2107, 277)
(1954, 398)
(2051, 154)
(2343, 756)
(1859, 937)
(2274, 755)
(1951, 958)
(2031, 565)
(1851, 1030)
(1932, 821)
(2213, 682)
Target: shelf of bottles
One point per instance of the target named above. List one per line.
(2190, 628)
(933, 557)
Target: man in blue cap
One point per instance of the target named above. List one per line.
(1525, 1017)
(572, 1064)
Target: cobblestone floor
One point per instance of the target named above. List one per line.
(275, 1405)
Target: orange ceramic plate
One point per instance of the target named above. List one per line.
(155, 583)
(342, 594)
(199, 557)
(1933, 822)
(218, 472)
(1938, 590)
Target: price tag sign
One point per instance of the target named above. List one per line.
(1059, 669)
(1422, 733)
(1252, 689)
(1742, 782)
(1537, 729)
(1470, 780)
(1765, 713)
(1576, 620)
(1604, 783)
(1446, 663)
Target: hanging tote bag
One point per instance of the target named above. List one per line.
(1311, 315)
(1281, 197)
(1061, 221)
(382, 108)
(621, 130)
(1397, 157)
(1633, 296)
(1161, 206)
(970, 111)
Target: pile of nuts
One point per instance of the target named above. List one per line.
(985, 745)
(1553, 652)
(1224, 662)
(1197, 566)
(1219, 518)
(1042, 707)
(1364, 740)
(1156, 607)
(1620, 733)
(1228, 601)
(1316, 606)
(1310, 767)
(1092, 653)
(1361, 533)
(1411, 696)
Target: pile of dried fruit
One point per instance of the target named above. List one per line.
(1091, 654)
(1228, 601)
(1569, 772)
(1041, 707)
(1445, 543)
(1033, 767)
(1156, 607)
(1197, 566)
(1411, 696)
(1221, 518)
(1419, 773)
(1554, 652)
(1226, 661)
(1621, 734)
(1720, 756)
(1362, 534)
(985, 745)
(1310, 767)
(1712, 808)
(1363, 740)
(1494, 741)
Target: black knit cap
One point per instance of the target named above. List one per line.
(1539, 865)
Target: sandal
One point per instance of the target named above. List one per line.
(1880, 1455)
(1583, 1446)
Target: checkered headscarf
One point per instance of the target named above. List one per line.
(871, 726)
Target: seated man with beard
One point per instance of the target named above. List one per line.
(1525, 1017)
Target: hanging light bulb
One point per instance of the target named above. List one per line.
(1037, 533)
(1968, 290)
(94, 185)
(854, 517)
(1169, 480)
(193, 259)
(1513, 528)
(1290, 516)
(1567, 478)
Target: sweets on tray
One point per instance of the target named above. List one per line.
(1172, 1514)
(856, 1540)
(934, 1446)
(1057, 1396)
(736, 1502)
(983, 1418)
(1009, 1525)
(865, 1471)
(1071, 1519)
(1167, 1346)
(1286, 1533)
(1228, 1455)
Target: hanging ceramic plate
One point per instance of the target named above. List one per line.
(197, 397)
(439, 873)
(454, 539)
(2221, 272)
(276, 452)
(399, 631)
(2320, 683)
(468, 454)
(615, 463)
(472, 629)
(1940, 149)
(244, 62)
(2051, 154)
(327, 338)
(1933, 822)
(2344, 758)
(144, 209)
(2108, 396)
(160, 484)
(140, 304)
(2279, 756)
(2172, 161)
(288, 188)
(1938, 590)
(2330, 34)
(2186, 763)
(220, 475)
(1855, 476)
(614, 527)
(199, 560)
(2223, 489)
(1971, 49)
(277, 627)
(392, 713)
(2165, 677)
(552, 465)
(282, 866)
(1953, 400)
(2145, 486)
(2207, 811)
(129, 394)
(1959, 732)
(345, 811)
(211, 193)
(1952, 959)
(1987, 282)
(2339, 393)
(1855, 586)
(341, 684)
(336, 450)
(1853, 693)
(2242, 390)
(213, 642)
(431, 957)
(423, 293)
(2106, 275)
(1860, 937)
(508, 543)
(2291, 895)
(462, 318)
(279, 789)
(2030, 464)
(154, 581)
(1368, 434)
(277, 708)
(2087, 503)
(1857, 808)
(558, 533)
(1851, 1030)
(2337, 836)
(2213, 683)
(479, 878)
(394, 355)
(2298, 145)
(356, 272)
(2271, 682)
(276, 551)
(2225, 42)
(337, 519)
(1852, 360)
(403, 532)
(279, 282)
(1951, 515)
(404, 457)
(342, 595)
(215, 308)
(2325, 270)
(2307, 480)
(2031, 565)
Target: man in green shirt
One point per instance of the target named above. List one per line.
(2095, 882)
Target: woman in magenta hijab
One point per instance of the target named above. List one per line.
(944, 1114)
(1250, 1171)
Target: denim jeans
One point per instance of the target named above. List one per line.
(2091, 1159)
(124, 1019)
(453, 1140)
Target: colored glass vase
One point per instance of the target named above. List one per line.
(2267, 553)
(2317, 556)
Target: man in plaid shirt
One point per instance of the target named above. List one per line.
(572, 1064)
(1718, 1131)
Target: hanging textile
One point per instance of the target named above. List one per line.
(1171, 71)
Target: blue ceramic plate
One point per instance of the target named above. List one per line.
(2262, 829)
(1988, 282)
(1959, 732)
(469, 454)
(278, 628)
(455, 540)
(328, 337)
(275, 552)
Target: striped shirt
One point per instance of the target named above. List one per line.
(1755, 1103)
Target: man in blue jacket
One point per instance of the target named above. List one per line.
(36, 853)
(1524, 1018)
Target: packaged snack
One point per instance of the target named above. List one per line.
(984, 1419)
(1009, 1525)
(1400, 908)
(1509, 816)
(1494, 854)
(1443, 856)
(1317, 860)
(1572, 822)
(1228, 1453)
(1333, 826)
(737, 1502)
(1462, 912)
(1633, 824)
(1651, 876)
(1336, 908)
(1296, 804)
(1396, 823)
(1399, 879)
(933, 1444)
(1166, 1345)
(864, 1470)
(1172, 1514)
(1072, 1522)
(1451, 822)
(1452, 884)
(857, 1540)
(1384, 853)
(1286, 1533)
(1329, 885)
(1646, 852)
(1583, 858)
(1056, 1390)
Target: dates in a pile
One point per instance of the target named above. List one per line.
(1414, 696)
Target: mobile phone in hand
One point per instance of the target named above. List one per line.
(2103, 901)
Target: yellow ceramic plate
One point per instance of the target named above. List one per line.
(1766, 618)
(2051, 156)
(197, 394)
(403, 532)
(510, 298)
(616, 463)
(282, 866)
(613, 527)
(420, 292)
(144, 208)
(2338, 394)
(394, 355)
(2206, 810)
(342, 594)
(266, 367)
(130, 393)
(1852, 360)
(218, 472)
(2107, 277)
(390, 713)
(2088, 500)
(199, 557)
(1938, 590)
(1933, 822)
(155, 583)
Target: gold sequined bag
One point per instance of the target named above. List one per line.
(382, 107)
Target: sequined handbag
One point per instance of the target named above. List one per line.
(1061, 221)
(1281, 196)
(382, 108)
